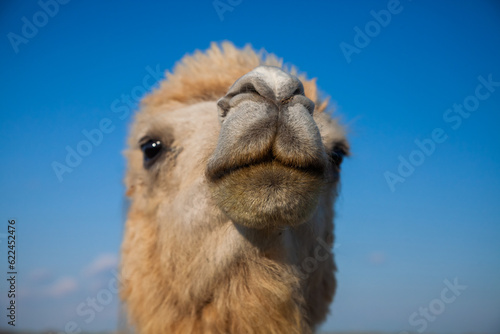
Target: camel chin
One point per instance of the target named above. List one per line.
(268, 195)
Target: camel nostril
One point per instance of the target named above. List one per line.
(248, 88)
(299, 91)
(223, 108)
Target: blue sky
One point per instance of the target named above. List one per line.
(397, 248)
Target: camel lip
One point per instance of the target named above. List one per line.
(317, 168)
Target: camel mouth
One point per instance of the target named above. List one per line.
(268, 192)
(313, 168)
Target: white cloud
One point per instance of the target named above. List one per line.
(377, 258)
(62, 286)
(40, 275)
(106, 261)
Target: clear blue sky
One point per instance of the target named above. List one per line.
(394, 249)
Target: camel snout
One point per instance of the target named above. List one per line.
(266, 84)
(269, 157)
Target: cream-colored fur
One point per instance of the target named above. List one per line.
(187, 267)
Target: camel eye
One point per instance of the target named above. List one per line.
(151, 150)
(336, 157)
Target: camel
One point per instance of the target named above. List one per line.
(233, 170)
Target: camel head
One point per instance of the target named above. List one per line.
(233, 165)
